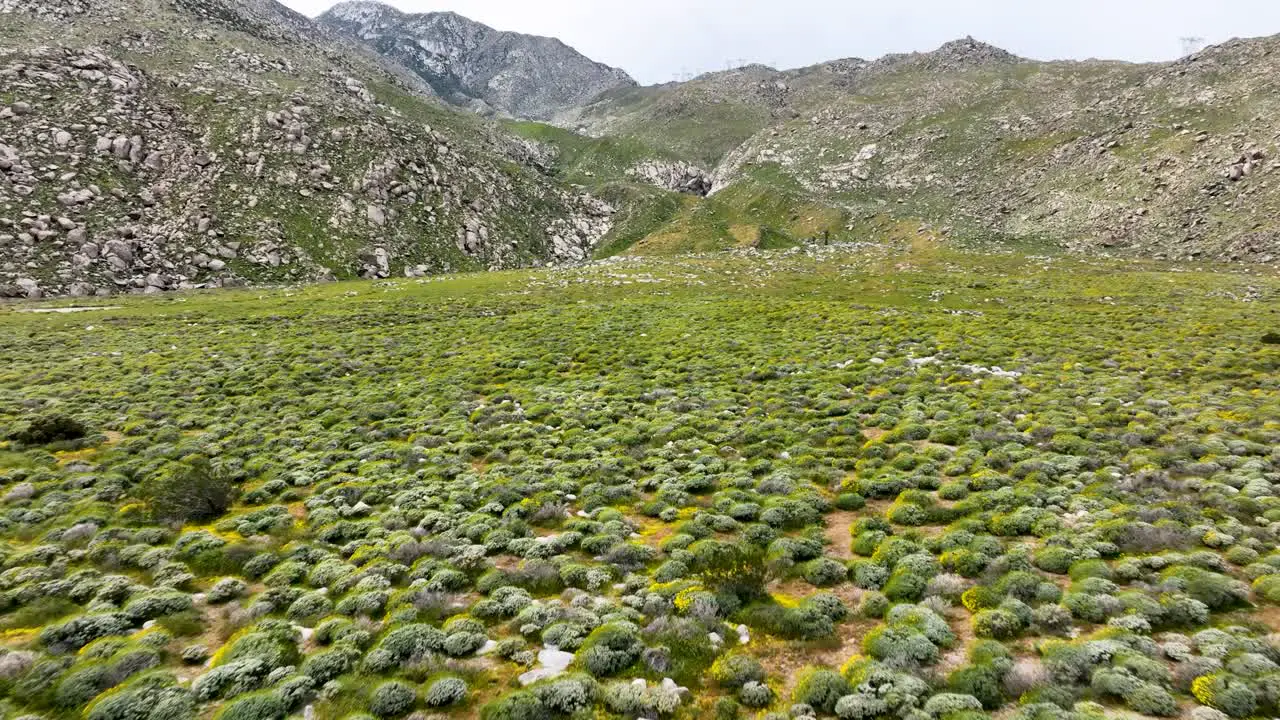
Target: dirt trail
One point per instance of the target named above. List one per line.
(837, 532)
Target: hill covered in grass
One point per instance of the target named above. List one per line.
(856, 482)
(971, 143)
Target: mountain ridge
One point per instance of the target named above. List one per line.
(473, 65)
(148, 145)
(969, 141)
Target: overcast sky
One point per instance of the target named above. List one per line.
(655, 40)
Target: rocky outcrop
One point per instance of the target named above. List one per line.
(474, 66)
(673, 175)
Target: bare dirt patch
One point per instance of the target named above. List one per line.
(837, 532)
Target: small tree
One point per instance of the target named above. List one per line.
(50, 428)
(191, 490)
(728, 567)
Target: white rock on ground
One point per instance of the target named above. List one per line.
(552, 662)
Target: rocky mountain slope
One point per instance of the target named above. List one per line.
(157, 144)
(1166, 160)
(475, 66)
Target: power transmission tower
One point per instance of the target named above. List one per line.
(1191, 45)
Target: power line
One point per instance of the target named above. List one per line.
(1191, 45)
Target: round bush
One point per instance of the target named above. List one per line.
(446, 691)
(820, 688)
(824, 572)
(736, 669)
(1221, 691)
(53, 427)
(873, 604)
(1054, 559)
(755, 695)
(981, 681)
(257, 706)
(1151, 699)
(570, 695)
(154, 696)
(392, 699)
(997, 624)
(461, 644)
(899, 646)
(850, 501)
(610, 649)
(519, 705)
(226, 590)
(944, 704)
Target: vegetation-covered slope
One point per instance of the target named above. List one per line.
(1163, 160)
(856, 482)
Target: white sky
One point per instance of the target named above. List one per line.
(655, 40)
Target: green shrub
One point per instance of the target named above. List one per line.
(905, 586)
(519, 705)
(80, 631)
(899, 647)
(461, 644)
(873, 604)
(272, 641)
(850, 501)
(226, 590)
(1268, 586)
(981, 681)
(820, 688)
(824, 572)
(1054, 559)
(189, 491)
(569, 695)
(1224, 692)
(1090, 569)
(81, 685)
(295, 691)
(998, 624)
(392, 699)
(155, 696)
(403, 644)
(233, 678)
(156, 603)
(50, 428)
(1218, 592)
(328, 665)
(1151, 699)
(735, 669)
(755, 694)
(255, 706)
(610, 649)
(945, 704)
(309, 608)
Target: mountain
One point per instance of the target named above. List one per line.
(475, 66)
(148, 145)
(157, 144)
(972, 143)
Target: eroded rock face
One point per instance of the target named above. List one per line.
(50, 9)
(475, 66)
(203, 171)
(675, 176)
